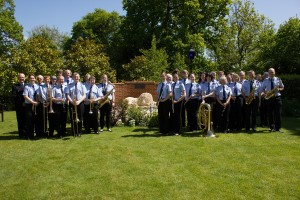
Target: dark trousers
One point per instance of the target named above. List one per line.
(275, 109)
(21, 119)
(192, 113)
(251, 114)
(77, 125)
(236, 115)
(90, 121)
(105, 113)
(30, 118)
(176, 122)
(163, 116)
(183, 114)
(223, 117)
(40, 122)
(263, 112)
(60, 116)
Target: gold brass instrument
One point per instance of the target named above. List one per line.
(91, 105)
(50, 100)
(251, 96)
(205, 119)
(76, 120)
(105, 99)
(272, 92)
(33, 105)
(63, 97)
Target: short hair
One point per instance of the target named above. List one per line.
(47, 76)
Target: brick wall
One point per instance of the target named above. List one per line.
(134, 89)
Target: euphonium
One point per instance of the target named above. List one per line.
(205, 119)
(251, 96)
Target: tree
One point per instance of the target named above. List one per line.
(176, 24)
(287, 48)
(52, 34)
(10, 29)
(237, 46)
(86, 56)
(149, 65)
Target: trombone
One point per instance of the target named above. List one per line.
(76, 120)
(91, 104)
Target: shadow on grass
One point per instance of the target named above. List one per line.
(14, 135)
(145, 133)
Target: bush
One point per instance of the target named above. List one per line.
(153, 122)
(291, 85)
(291, 107)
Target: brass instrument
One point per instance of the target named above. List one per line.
(33, 105)
(76, 120)
(205, 119)
(251, 96)
(63, 97)
(105, 99)
(91, 105)
(50, 100)
(272, 92)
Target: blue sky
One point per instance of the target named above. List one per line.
(63, 13)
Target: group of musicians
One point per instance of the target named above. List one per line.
(44, 106)
(235, 101)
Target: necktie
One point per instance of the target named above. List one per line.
(34, 93)
(90, 92)
(173, 90)
(184, 81)
(272, 84)
(161, 90)
(62, 91)
(235, 90)
(76, 90)
(208, 88)
(224, 95)
(190, 91)
(68, 81)
(251, 84)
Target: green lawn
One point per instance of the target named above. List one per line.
(135, 163)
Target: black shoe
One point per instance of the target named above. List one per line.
(254, 130)
(272, 130)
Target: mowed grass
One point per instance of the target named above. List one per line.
(135, 163)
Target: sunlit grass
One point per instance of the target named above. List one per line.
(135, 163)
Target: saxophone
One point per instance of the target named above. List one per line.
(251, 96)
(105, 99)
(272, 92)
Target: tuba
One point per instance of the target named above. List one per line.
(205, 119)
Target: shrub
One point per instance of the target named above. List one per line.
(153, 122)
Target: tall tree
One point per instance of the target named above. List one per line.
(10, 29)
(287, 48)
(86, 56)
(176, 24)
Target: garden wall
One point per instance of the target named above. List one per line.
(134, 89)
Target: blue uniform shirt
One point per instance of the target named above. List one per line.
(177, 89)
(43, 92)
(266, 85)
(68, 81)
(30, 91)
(185, 81)
(105, 88)
(77, 92)
(163, 89)
(92, 93)
(192, 88)
(236, 88)
(246, 87)
(59, 92)
(219, 92)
